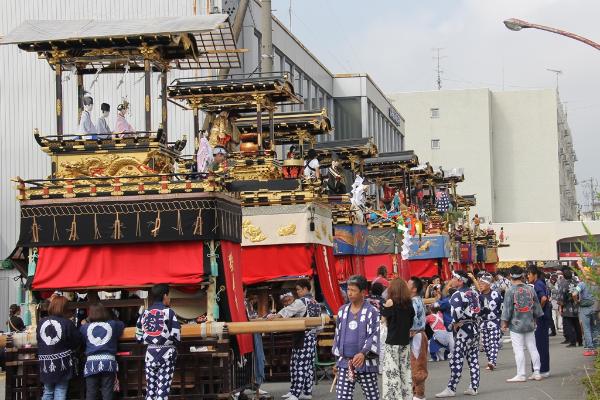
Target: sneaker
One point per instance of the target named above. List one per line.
(470, 392)
(305, 397)
(446, 393)
(588, 353)
(545, 374)
(536, 376)
(287, 395)
(517, 378)
(292, 397)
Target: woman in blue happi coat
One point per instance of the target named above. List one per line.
(57, 339)
(101, 335)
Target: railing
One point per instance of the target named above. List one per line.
(198, 374)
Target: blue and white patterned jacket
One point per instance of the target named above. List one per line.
(368, 336)
(491, 309)
(101, 340)
(159, 329)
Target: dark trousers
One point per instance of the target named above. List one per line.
(572, 330)
(542, 343)
(552, 326)
(103, 383)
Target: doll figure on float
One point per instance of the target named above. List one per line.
(123, 126)
(222, 130)
(104, 131)
(86, 126)
(204, 156)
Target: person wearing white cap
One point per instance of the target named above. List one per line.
(521, 307)
(219, 158)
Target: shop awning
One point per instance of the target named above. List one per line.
(109, 266)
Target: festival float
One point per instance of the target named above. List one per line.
(122, 211)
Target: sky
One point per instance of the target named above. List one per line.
(394, 42)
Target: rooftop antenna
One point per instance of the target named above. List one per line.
(557, 72)
(439, 71)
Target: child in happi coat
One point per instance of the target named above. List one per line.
(57, 339)
(159, 329)
(356, 343)
(101, 335)
(491, 309)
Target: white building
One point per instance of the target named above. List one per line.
(515, 147)
(358, 107)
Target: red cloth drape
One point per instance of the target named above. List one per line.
(374, 261)
(262, 263)
(490, 267)
(423, 268)
(348, 265)
(231, 257)
(133, 265)
(326, 273)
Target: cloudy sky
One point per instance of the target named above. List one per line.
(392, 40)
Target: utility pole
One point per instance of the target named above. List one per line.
(592, 197)
(439, 71)
(290, 11)
(266, 45)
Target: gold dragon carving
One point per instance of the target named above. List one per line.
(251, 232)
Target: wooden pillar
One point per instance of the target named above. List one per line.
(147, 93)
(59, 99)
(259, 122)
(80, 91)
(163, 95)
(272, 128)
(196, 129)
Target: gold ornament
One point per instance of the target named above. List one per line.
(251, 232)
(287, 230)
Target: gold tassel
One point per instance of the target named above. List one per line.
(73, 236)
(55, 236)
(138, 229)
(179, 228)
(97, 234)
(117, 229)
(35, 231)
(198, 224)
(154, 232)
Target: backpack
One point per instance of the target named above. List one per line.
(523, 299)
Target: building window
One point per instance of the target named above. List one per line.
(435, 112)
(435, 144)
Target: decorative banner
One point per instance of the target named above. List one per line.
(127, 220)
(383, 241)
(350, 239)
(491, 255)
(466, 254)
(236, 306)
(430, 246)
(286, 224)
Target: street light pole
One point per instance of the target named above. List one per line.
(517, 24)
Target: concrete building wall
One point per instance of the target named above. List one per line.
(515, 147)
(537, 240)
(462, 126)
(526, 179)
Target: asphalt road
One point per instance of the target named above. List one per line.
(567, 370)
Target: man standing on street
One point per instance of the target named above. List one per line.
(418, 342)
(356, 343)
(570, 309)
(159, 329)
(588, 314)
(304, 346)
(520, 310)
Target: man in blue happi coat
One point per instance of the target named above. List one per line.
(356, 343)
(159, 329)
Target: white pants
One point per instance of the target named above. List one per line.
(520, 341)
(557, 319)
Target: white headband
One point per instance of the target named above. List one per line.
(219, 150)
(288, 294)
(458, 276)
